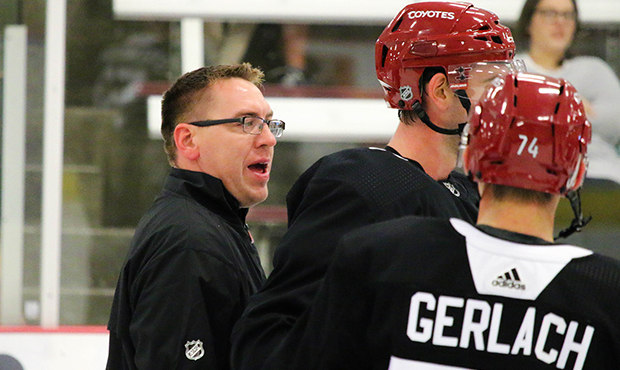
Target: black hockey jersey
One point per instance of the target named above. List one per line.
(432, 294)
(341, 192)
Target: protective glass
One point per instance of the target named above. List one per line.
(252, 125)
(474, 78)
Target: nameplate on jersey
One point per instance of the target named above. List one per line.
(503, 268)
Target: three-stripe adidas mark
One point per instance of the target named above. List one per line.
(510, 279)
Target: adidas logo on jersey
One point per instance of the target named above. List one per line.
(510, 279)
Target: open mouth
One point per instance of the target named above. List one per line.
(259, 167)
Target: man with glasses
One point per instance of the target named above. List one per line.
(192, 263)
(432, 60)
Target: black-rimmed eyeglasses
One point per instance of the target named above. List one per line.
(551, 14)
(252, 125)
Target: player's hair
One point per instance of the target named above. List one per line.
(503, 192)
(189, 89)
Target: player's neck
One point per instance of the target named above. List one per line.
(436, 153)
(520, 217)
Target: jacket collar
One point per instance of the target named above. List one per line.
(207, 191)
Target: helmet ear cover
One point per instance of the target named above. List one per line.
(448, 35)
(529, 131)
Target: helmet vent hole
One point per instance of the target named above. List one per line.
(497, 39)
(395, 28)
(497, 163)
(384, 55)
(561, 90)
(513, 122)
(557, 108)
(514, 101)
(486, 27)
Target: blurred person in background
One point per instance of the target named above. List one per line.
(433, 60)
(548, 29)
(192, 263)
(281, 51)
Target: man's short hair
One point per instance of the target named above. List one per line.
(502, 192)
(188, 90)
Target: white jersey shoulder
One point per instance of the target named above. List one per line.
(503, 268)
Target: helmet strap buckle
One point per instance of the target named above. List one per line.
(579, 222)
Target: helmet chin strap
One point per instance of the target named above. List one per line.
(579, 222)
(464, 99)
(419, 111)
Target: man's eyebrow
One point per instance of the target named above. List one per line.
(253, 114)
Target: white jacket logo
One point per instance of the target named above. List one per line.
(194, 350)
(430, 14)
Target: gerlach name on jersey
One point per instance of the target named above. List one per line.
(511, 328)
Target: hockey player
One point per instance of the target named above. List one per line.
(433, 60)
(427, 294)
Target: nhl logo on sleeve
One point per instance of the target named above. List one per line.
(194, 350)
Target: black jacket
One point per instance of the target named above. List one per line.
(186, 280)
(341, 192)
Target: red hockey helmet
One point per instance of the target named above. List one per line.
(454, 36)
(528, 131)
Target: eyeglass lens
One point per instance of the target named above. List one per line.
(254, 126)
(554, 14)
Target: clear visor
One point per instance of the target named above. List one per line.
(476, 77)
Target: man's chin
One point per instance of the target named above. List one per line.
(254, 199)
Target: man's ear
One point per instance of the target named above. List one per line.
(438, 91)
(184, 139)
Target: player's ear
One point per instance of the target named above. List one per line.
(438, 91)
(185, 141)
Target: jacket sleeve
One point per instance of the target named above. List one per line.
(185, 304)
